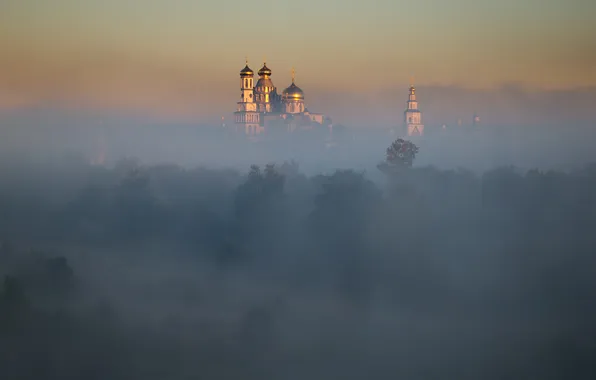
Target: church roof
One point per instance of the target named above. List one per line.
(246, 71)
(293, 92)
(264, 70)
(262, 83)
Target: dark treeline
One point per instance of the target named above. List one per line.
(161, 272)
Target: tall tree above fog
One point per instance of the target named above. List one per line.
(399, 155)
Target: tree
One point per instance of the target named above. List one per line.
(260, 188)
(339, 225)
(12, 294)
(400, 154)
(290, 169)
(260, 205)
(14, 305)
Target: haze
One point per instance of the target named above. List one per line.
(143, 237)
(180, 58)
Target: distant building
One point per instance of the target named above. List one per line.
(413, 116)
(261, 107)
(475, 120)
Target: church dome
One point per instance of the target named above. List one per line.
(293, 93)
(246, 71)
(264, 70)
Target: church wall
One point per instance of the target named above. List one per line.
(317, 117)
(294, 107)
(412, 117)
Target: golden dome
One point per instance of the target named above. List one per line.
(264, 70)
(293, 93)
(246, 71)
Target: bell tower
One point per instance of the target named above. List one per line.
(412, 115)
(246, 85)
(246, 116)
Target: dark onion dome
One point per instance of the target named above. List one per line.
(246, 71)
(293, 93)
(264, 70)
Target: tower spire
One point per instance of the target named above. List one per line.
(293, 75)
(412, 115)
(246, 59)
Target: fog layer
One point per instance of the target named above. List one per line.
(137, 271)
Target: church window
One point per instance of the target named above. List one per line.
(250, 95)
(410, 119)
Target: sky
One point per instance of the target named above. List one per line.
(181, 58)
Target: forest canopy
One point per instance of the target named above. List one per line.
(160, 272)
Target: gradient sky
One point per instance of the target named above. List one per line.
(182, 57)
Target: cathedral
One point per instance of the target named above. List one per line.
(262, 108)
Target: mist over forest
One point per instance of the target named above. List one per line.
(185, 257)
(50, 136)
